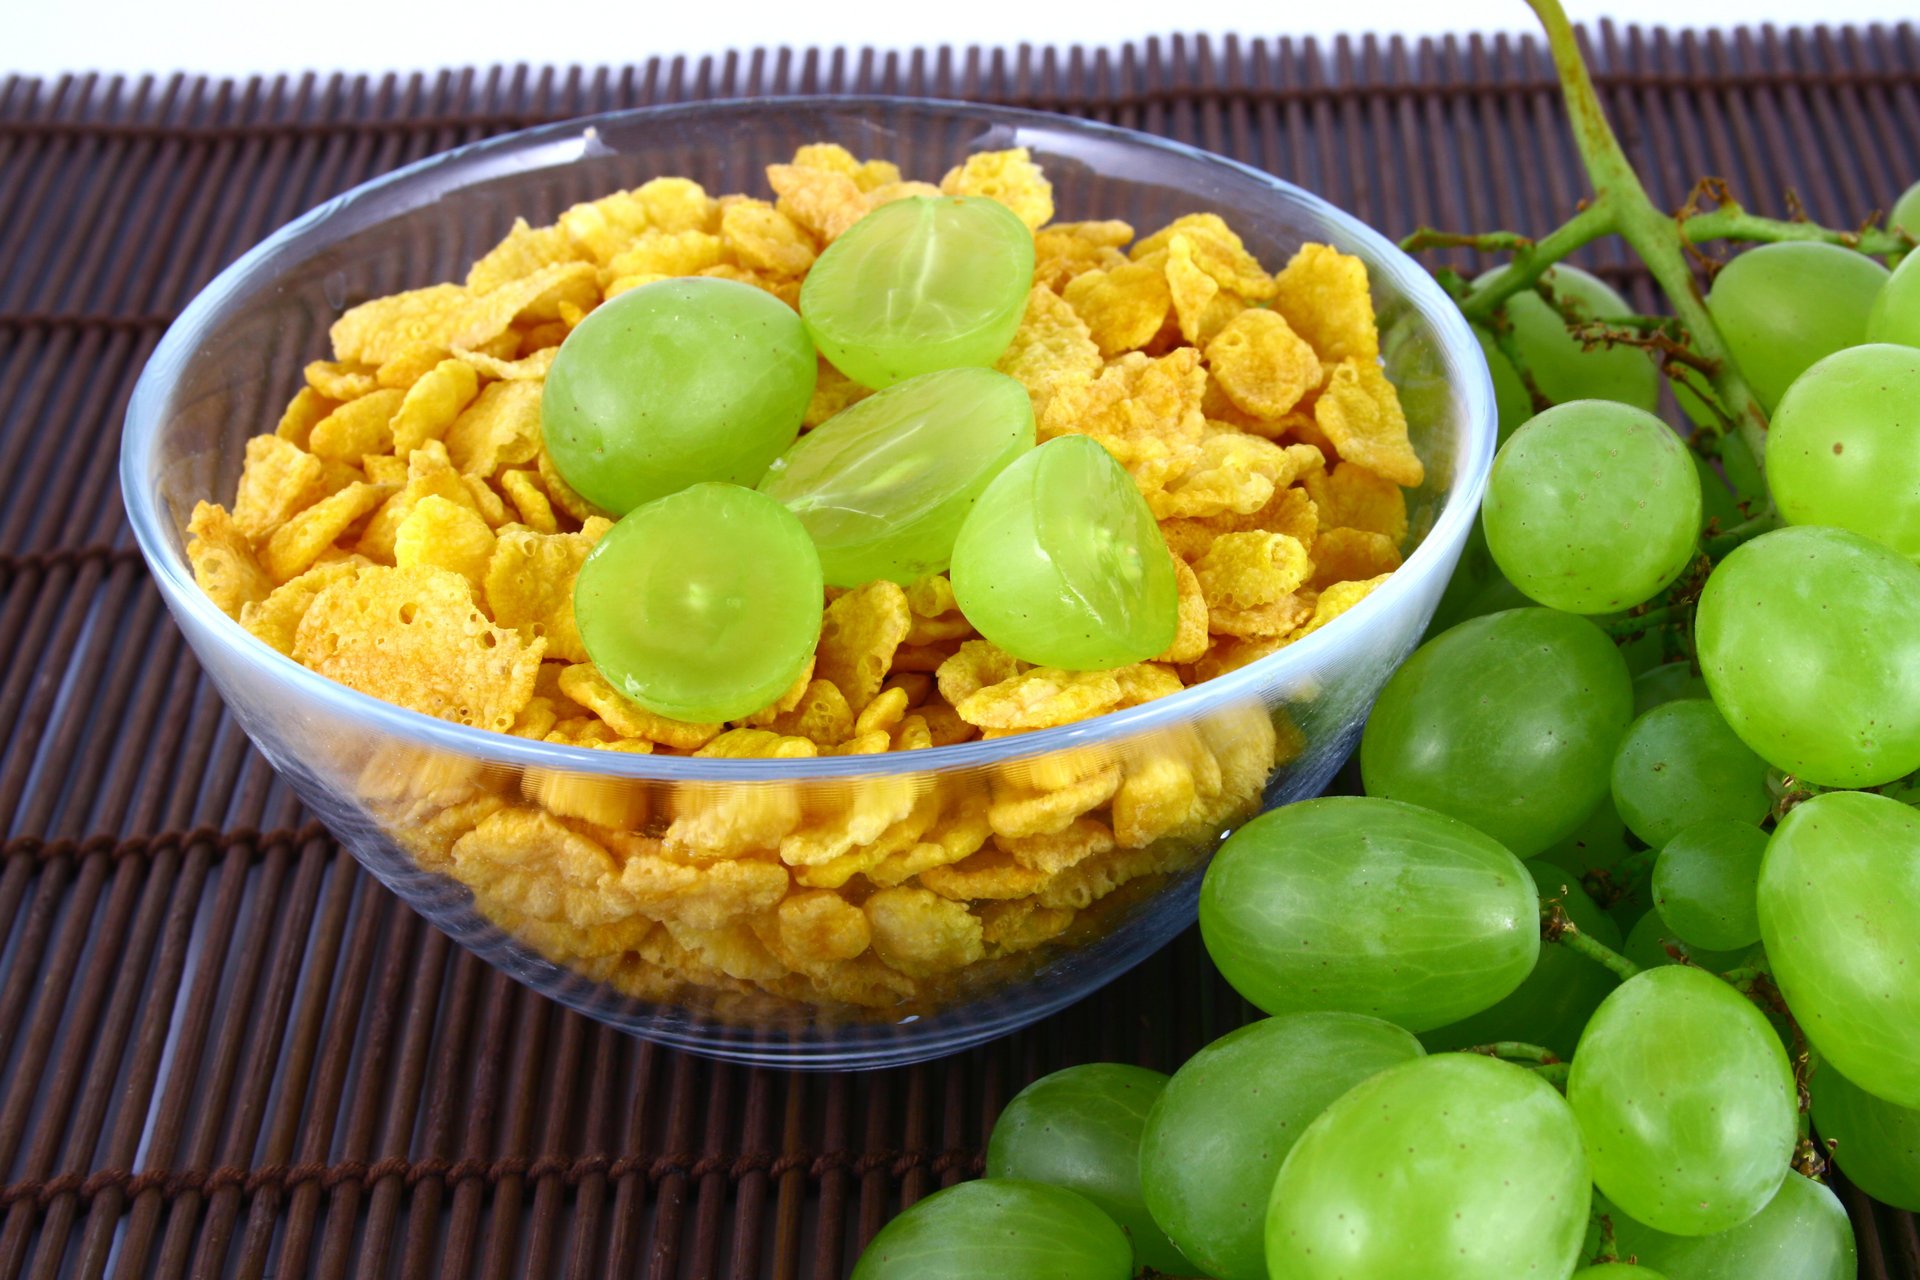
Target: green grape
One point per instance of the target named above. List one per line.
(1896, 312)
(1511, 400)
(1061, 563)
(1080, 1129)
(1562, 366)
(1506, 722)
(1592, 507)
(1648, 940)
(1780, 307)
(925, 283)
(1810, 641)
(1686, 1101)
(1802, 1234)
(1004, 1228)
(703, 605)
(884, 484)
(1839, 895)
(1680, 764)
(1706, 883)
(1369, 906)
(1841, 447)
(675, 383)
(1906, 212)
(1616, 1271)
(1668, 682)
(1218, 1134)
(1876, 1142)
(1552, 1006)
(1453, 1167)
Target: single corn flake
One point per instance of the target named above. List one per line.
(528, 586)
(761, 237)
(340, 380)
(408, 366)
(529, 499)
(816, 927)
(533, 862)
(415, 638)
(1337, 599)
(296, 545)
(1011, 177)
(1352, 555)
(1019, 810)
(525, 251)
(824, 202)
(1323, 294)
(1123, 306)
(384, 468)
(1041, 699)
(1052, 342)
(1157, 799)
(1216, 249)
(358, 427)
(1145, 681)
(376, 331)
(1010, 928)
(529, 368)
(988, 875)
(1262, 364)
(1361, 415)
(921, 933)
(1068, 249)
(278, 481)
(667, 253)
(444, 535)
(1349, 496)
(1190, 631)
(586, 686)
(858, 637)
(757, 744)
(499, 429)
(619, 804)
(306, 410)
(707, 896)
(1055, 852)
(1200, 306)
(1277, 618)
(1242, 570)
(432, 404)
(974, 666)
(1231, 473)
(603, 227)
(223, 561)
(1230, 653)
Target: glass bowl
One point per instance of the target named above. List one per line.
(481, 832)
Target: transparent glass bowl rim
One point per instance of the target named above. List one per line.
(455, 168)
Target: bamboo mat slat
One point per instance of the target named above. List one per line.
(224, 1051)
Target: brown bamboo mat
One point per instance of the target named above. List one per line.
(223, 1050)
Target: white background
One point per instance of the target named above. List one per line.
(228, 37)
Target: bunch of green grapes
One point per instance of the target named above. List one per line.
(1637, 870)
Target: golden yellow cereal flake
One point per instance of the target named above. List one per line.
(1011, 177)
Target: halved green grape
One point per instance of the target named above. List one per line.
(1552, 1006)
(1875, 1142)
(703, 605)
(1841, 447)
(1592, 507)
(999, 1227)
(1369, 906)
(1781, 307)
(1080, 1129)
(1839, 895)
(1507, 722)
(1217, 1136)
(925, 283)
(1563, 367)
(1617, 1271)
(1680, 764)
(1453, 1167)
(1905, 214)
(1648, 942)
(884, 484)
(675, 383)
(1706, 882)
(1061, 563)
(1896, 312)
(1668, 682)
(1810, 641)
(1686, 1101)
(1802, 1234)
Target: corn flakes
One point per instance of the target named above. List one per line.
(1011, 177)
(1264, 367)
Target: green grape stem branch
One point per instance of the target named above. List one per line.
(1689, 346)
(1558, 928)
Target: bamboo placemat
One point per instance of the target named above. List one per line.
(223, 1049)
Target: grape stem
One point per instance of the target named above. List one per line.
(1557, 927)
(1730, 220)
(1641, 623)
(1516, 1049)
(1609, 1250)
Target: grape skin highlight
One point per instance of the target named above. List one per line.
(1680, 764)
(1840, 449)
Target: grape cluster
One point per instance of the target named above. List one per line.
(1649, 709)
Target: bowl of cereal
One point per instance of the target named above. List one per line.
(336, 467)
